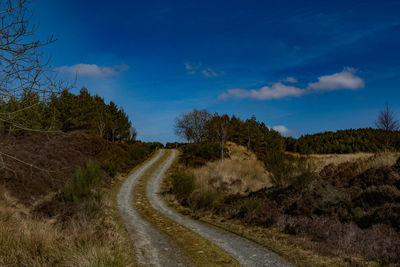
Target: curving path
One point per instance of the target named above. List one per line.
(154, 248)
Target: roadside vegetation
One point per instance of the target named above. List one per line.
(64, 214)
(60, 156)
(327, 209)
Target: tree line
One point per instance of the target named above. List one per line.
(345, 141)
(201, 126)
(65, 112)
(385, 137)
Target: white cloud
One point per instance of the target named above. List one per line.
(290, 80)
(208, 72)
(337, 81)
(193, 68)
(283, 130)
(342, 80)
(93, 70)
(275, 91)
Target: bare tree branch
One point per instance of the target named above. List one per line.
(192, 126)
(386, 120)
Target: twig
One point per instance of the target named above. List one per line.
(26, 163)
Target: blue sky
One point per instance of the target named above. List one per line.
(300, 66)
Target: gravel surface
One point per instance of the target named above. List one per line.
(246, 252)
(153, 248)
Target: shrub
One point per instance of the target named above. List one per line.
(111, 167)
(80, 185)
(252, 204)
(288, 170)
(281, 167)
(183, 184)
(197, 154)
(136, 155)
(203, 199)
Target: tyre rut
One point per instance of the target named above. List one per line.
(246, 252)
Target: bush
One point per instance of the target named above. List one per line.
(203, 199)
(197, 154)
(136, 155)
(183, 184)
(281, 166)
(112, 168)
(288, 170)
(252, 204)
(80, 185)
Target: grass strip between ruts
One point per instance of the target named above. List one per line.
(199, 250)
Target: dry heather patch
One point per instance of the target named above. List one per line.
(240, 173)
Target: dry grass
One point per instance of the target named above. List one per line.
(218, 177)
(241, 173)
(379, 160)
(367, 160)
(28, 241)
(288, 246)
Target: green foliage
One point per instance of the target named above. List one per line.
(203, 199)
(288, 170)
(175, 145)
(80, 185)
(197, 154)
(281, 168)
(66, 112)
(252, 204)
(136, 155)
(251, 133)
(183, 184)
(345, 141)
(138, 151)
(111, 167)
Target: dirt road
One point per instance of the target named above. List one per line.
(151, 245)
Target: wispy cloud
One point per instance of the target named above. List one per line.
(275, 91)
(193, 68)
(344, 80)
(93, 70)
(284, 130)
(209, 72)
(290, 80)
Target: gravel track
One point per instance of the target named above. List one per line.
(153, 248)
(246, 252)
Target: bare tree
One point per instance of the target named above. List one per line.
(192, 125)
(219, 128)
(22, 64)
(386, 120)
(23, 68)
(101, 126)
